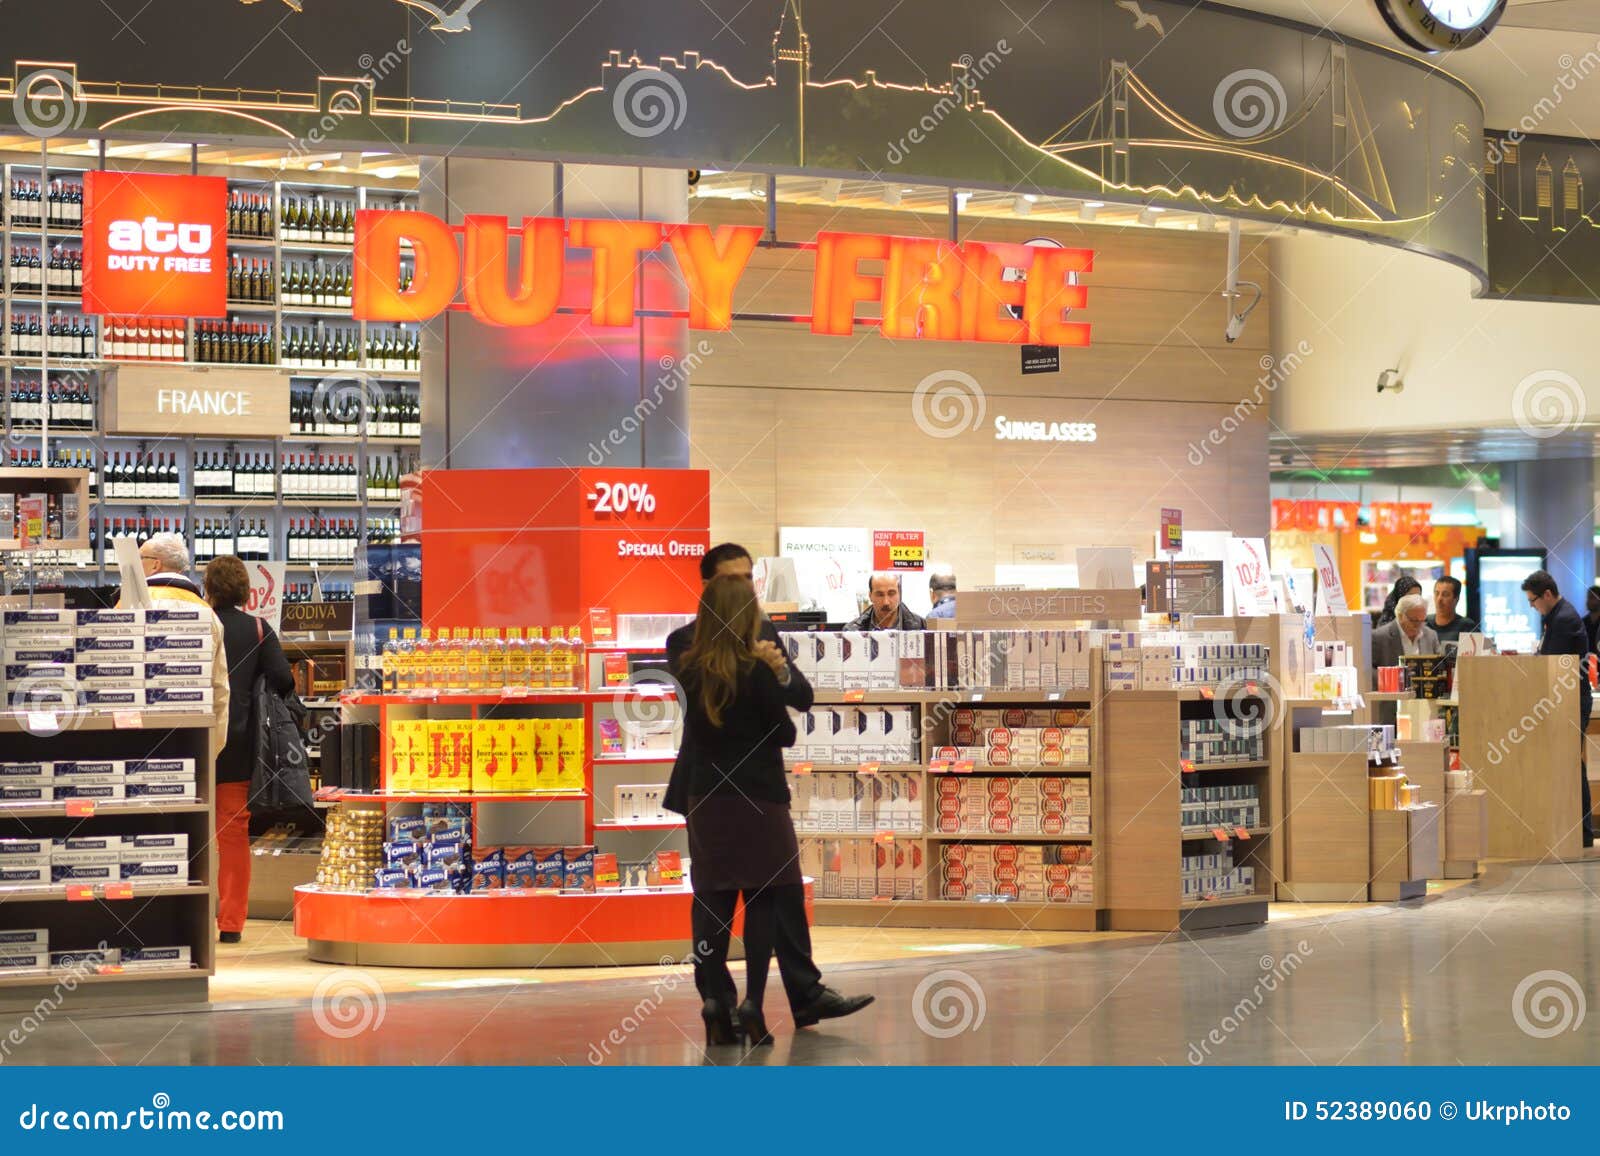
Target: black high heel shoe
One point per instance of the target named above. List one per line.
(719, 1024)
(754, 1025)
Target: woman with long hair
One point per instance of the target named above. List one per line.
(741, 837)
(1403, 585)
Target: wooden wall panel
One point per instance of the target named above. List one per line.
(799, 429)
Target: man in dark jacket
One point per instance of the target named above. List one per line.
(1563, 633)
(887, 612)
(809, 1000)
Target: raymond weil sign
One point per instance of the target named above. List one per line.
(151, 399)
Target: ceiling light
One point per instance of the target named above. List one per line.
(1030, 197)
(961, 201)
(387, 173)
(314, 166)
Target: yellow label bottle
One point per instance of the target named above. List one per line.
(455, 665)
(516, 658)
(495, 656)
(406, 665)
(476, 660)
(538, 659)
(422, 660)
(389, 661)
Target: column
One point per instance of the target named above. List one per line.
(1549, 504)
(566, 393)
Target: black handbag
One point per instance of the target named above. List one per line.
(280, 773)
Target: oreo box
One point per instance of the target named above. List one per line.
(113, 646)
(520, 868)
(182, 672)
(549, 868)
(402, 854)
(178, 645)
(112, 697)
(433, 879)
(577, 868)
(110, 623)
(391, 879)
(488, 868)
(178, 696)
(114, 674)
(178, 620)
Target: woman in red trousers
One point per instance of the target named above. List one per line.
(252, 649)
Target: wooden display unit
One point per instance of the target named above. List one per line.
(164, 915)
(978, 914)
(17, 483)
(1405, 853)
(1520, 738)
(1327, 854)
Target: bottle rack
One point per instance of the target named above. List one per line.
(79, 919)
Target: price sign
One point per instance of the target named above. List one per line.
(899, 550)
(1207, 693)
(856, 695)
(938, 766)
(127, 720)
(79, 893)
(1219, 833)
(883, 838)
(867, 769)
(265, 600)
(80, 808)
(43, 722)
(119, 891)
(963, 767)
(803, 768)
(1241, 833)
(1171, 530)
(1186, 766)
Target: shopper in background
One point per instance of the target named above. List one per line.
(887, 612)
(810, 1001)
(166, 572)
(1403, 585)
(741, 835)
(1446, 623)
(1407, 634)
(253, 650)
(1591, 620)
(942, 590)
(1563, 633)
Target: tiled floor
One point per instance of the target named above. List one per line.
(1431, 982)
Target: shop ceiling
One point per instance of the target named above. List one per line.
(1378, 449)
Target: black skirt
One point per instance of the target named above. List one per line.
(741, 844)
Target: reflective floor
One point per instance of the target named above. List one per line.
(1501, 972)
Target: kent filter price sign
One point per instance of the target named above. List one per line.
(155, 245)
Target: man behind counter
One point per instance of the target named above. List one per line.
(1446, 623)
(887, 612)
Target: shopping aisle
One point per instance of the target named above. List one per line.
(1381, 985)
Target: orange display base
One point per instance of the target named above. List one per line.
(496, 929)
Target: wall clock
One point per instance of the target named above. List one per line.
(1441, 25)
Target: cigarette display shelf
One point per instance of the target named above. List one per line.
(999, 914)
(81, 917)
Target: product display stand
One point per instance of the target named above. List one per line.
(505, 928)
(1519, 735)
(933, 724)
(81, 917)
(1144, 837)
(1327, 831)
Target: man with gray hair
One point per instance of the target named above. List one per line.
(1407, 634)
(942, 590)
(165, 558)
(887, 612)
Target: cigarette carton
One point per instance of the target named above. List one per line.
(178, 696)
(854, 660)
(168, 646)
(109, 674)
(147, 871)
(178, 620)
(111, 623)
(92, 648)
(155, 958)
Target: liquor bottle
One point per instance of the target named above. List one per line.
(389, 662)
(476, 661)
(538, 659)
(516, 672)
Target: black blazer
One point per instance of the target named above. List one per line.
(745, 754)
(797, 695)
(1564, 634)
(247, 657)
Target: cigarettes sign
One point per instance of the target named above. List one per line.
(155, 245)
(926, 289)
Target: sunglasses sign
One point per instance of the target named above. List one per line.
(926, 289)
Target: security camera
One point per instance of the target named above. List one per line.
(1235, 327)
(1390, 380)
